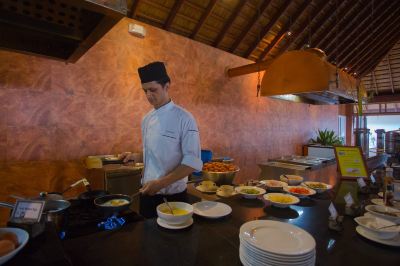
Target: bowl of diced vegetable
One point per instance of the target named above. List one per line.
(250, 192)
(319, 187)
(219, 172)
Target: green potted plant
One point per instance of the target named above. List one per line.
(322, 145)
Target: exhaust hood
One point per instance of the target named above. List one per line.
(58, 29)
(306, 76)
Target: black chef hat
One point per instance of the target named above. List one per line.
(153, 72)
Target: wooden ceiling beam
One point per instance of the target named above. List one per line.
(349, 29)
(250, 25)
(302, 42)
(351, 46)
(282, 9)
(378, 40)
(379, 54)
(204, 17)
(386, 98)
(295, 35)
(284, 30)
(390, 71)
(132, 11)
(228, 24)
(175, 9)
(329, 33)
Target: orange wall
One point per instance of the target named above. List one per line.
(52, 111)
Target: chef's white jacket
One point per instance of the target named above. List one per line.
(170, 138)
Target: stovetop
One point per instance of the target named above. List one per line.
(83, 220)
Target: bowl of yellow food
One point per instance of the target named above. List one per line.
(281, 200)
(250, 192)
(181, 212)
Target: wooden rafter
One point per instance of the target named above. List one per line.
(296, 34)
(375, 83)
(284, 30)
(204, 17)
(228, 24)
(250, 25)
(377, 39)
(132, 11)
(329, 33)
(354, 46)
(268, 27)
(172, 14)
(350, 29)
(390, 71)
(319, 25)
(379, 54)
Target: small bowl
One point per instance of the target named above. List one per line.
(240, 189)
(23, 238)
(372, 223)
(274, 185)
(313, 185)
(292, 180)
(270, 197)
(175, 219)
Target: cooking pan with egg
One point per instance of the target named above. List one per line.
(113, 203)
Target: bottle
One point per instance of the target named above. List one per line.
(388, 186)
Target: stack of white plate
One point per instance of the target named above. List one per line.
(264, 242)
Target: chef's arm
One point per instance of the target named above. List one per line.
(152, 187)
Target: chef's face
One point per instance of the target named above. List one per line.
(156, 94)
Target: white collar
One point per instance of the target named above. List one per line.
(165, 107)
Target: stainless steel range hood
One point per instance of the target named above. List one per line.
(58, 29)
(306, 76)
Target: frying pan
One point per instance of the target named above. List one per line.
(87, 198)
(109, 210)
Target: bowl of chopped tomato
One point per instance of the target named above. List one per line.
(219, 172)
(300, 191)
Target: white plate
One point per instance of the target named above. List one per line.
(23, 238)
(164, 224)
(373, 223)
(205, 190)
(274, 185)
(224, 195)
(211, 209)
(378, 202)
(277, 237)
(375, 208)
(239, 190)
(390, 242)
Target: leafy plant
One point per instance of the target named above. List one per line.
(327, 137)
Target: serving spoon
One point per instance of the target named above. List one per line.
(166, 202)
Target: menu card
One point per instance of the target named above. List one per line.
(333, 211)
(351, 161)
(27, 211)
(348, 199)
(361, 182)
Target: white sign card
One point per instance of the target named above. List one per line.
(27, 211)
(333, 211)
(349, 199)
(361, 182)
(373, 180)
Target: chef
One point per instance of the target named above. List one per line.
(171, 143)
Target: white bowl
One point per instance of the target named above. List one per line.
(23, 238)
(378, 210)
(373, 223)
(310, 191)
(175, 219)
(270, 198)
(274, 185)
(240, 189)
(292, 180)
(310, 184)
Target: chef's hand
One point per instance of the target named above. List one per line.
(151, 187)
(126, 157)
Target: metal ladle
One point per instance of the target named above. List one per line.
(166, 202)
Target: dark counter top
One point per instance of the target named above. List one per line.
(216, 242)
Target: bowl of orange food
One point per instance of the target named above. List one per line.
(299, 191)
(219, 172)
